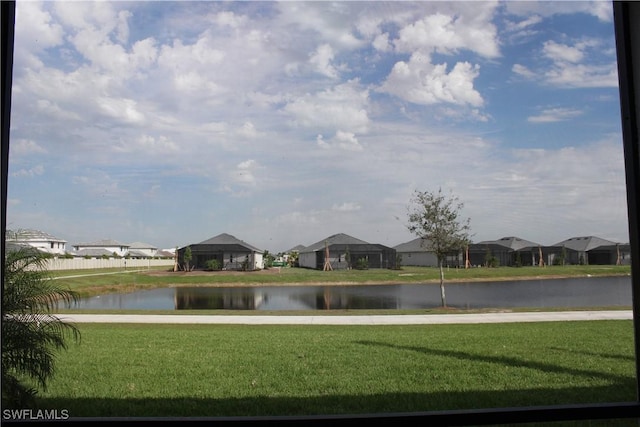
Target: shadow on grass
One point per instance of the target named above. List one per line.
(387, 403)
(510, 361)
(613, 356)
(614, 404)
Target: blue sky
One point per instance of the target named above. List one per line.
(282, 123)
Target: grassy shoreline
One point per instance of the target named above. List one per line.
(100, 282)
(91, 283)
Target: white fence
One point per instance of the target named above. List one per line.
(84, 264)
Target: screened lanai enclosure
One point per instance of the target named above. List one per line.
(341, 251)
(222, 252)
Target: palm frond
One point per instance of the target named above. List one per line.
(31, 335)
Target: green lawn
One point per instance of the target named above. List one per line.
(88, 283)
(240, 370)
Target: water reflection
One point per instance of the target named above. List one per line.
(284, 298)
(584, 292)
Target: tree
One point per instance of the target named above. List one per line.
(30, 333)
(435, 218)
(187, 258)
(268, 259)
(347, 258)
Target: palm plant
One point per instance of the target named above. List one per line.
(30, 333)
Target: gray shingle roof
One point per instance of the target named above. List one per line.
(336, 239)
(228, 239)
(416, 245)
(102, 243)
(514, 243)
(141, 245)
(31, 234)
(137, 254)
(93, 252)
(582, 244)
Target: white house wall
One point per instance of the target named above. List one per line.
(57, 249)
(258, 260)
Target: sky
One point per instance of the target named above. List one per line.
(283, 123)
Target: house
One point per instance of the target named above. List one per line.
(101, 248)
(505, 252)
(291, 256)
(416, 253)
(141, 250)
(44, 242)
(229, 252)
(619, 253)
(345, 252)
(591, 250)
(295, 249)
(166, 253)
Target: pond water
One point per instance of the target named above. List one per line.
(581, 292)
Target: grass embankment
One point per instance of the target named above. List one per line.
(241, 370)
(89, 283)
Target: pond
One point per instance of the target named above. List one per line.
(575, 292)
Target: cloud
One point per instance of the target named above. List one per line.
(99, 184)
(343, 106)
(342, 140)
(54, 111)
(149, 145)
(561, 52)
(346, 207)
(582, 64)
(30, 173)
(244, 173)
(36, 28)
(248, 130)
(23, 147)
(523, 26)
(523, 71)
(444, 33)
(583, 76)
(602, 10)
(332, 24)
(420, 82)
(321, 60)
(381, 43)
(122, 109)
(551, 115)
(230, 19)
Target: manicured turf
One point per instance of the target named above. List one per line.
(238, 370)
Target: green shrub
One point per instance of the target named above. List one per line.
(213, 265)
(362, 264)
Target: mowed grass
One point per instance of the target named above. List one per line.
(166, 370)
(89, 283)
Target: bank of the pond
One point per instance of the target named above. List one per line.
(112, 282)
(552, 294)
(405, 319)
